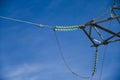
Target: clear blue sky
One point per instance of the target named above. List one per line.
(31, 53)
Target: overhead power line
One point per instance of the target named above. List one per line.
(27, 22)
(93, 24)
(64, 60)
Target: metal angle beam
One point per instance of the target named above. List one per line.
(113, 12)
(89, 36)
(111, 37)
(107, 30)
(103, 41)
(107, 19)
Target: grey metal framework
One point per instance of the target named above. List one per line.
(95, 24)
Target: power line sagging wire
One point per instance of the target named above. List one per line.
(27, 22)
(102, 65)
(64, 60)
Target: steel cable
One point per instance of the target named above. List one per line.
(64, 60)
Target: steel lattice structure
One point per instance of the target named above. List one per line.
(87, 29)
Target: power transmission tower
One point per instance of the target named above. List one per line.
(88, 30)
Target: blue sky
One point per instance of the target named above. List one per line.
(31, 53)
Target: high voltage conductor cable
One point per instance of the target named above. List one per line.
(60, 28)
(57, 28)
(27, 22)
(64, 60)
(77, 27)
(103, 60)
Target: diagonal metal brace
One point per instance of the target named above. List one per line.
(89, 36)
(106, 30)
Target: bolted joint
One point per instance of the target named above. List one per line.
(82, 27)
(95, 45)
(105, 42)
